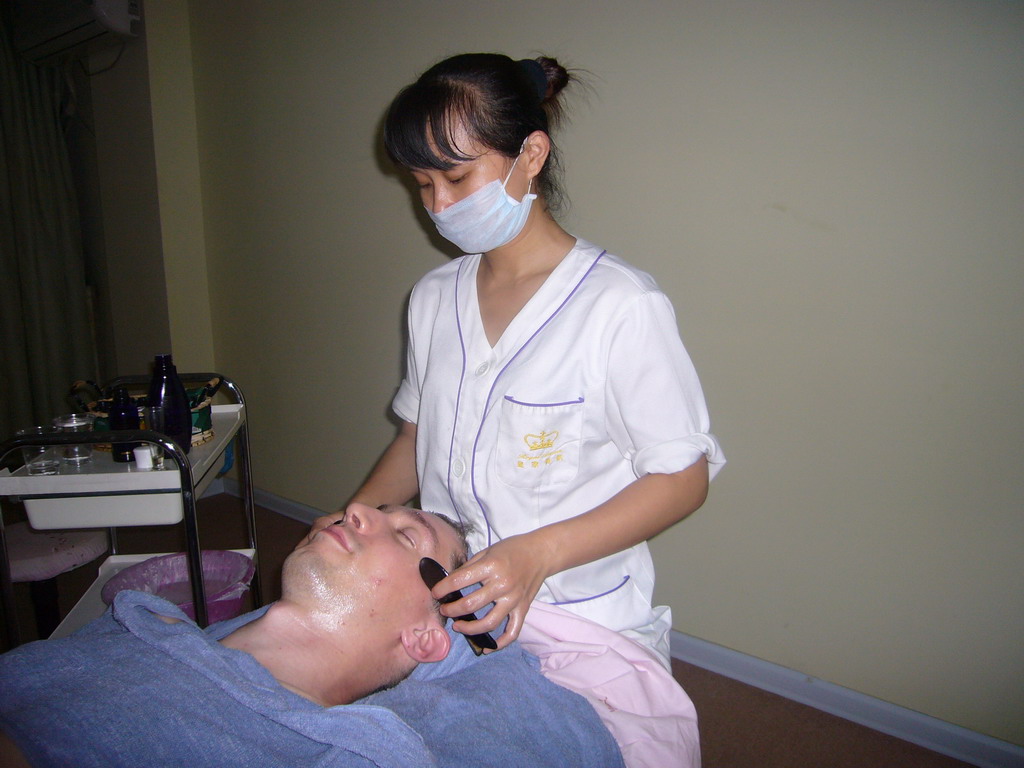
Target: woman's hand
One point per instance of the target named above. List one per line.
(513, 570)
(511, 573)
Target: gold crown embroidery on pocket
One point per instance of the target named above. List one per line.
(542, 441)
(542, 450)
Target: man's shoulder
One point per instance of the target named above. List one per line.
(515, 711)
(202, 703)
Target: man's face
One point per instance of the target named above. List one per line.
(362, 565)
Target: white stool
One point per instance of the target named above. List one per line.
(38, 557)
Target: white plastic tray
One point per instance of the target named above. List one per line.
(104, 493)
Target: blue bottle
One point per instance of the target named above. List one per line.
(167, 391)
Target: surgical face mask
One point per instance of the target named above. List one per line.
(486, 219)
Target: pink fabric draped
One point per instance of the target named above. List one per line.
(647, 712)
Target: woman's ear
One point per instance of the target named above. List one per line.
(535, 152)
(427, 643)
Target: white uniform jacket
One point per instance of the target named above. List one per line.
(588, 389)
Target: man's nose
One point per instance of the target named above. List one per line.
(361, 518)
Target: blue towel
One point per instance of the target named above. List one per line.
(131, 690)
(498, 710)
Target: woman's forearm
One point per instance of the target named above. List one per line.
(639, 511)
(393, 478)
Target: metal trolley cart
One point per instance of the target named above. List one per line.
(105, 494)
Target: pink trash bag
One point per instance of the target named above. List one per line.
(226, 576)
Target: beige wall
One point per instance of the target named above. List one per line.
(829, 192)
(129, 238)
(151, 233)
(181, 205)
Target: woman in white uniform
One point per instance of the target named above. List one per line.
(548, 398)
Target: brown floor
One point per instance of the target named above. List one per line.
(741, 726)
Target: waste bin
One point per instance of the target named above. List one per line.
(226, 576)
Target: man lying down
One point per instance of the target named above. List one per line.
(143, 686)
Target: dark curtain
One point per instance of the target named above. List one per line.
(46, 337)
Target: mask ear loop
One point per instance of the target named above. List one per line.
(529, 185)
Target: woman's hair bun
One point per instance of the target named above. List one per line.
(555, 75)
(547, 75)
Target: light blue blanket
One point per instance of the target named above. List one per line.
(131, 690)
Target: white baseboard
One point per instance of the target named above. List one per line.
(908, 725)
(282, 506)
(929, 732)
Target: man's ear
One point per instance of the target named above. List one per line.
(426, 643)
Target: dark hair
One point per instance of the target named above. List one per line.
(497, 100)
(462, 528)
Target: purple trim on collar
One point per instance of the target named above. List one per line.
(472, 467)
(458, 396)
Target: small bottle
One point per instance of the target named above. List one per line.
(123, 415)
(168, 393)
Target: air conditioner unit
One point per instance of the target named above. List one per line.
(47, 31)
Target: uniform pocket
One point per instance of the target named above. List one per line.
(539, 443)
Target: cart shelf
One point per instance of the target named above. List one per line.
(104, 493)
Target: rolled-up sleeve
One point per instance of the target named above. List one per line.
(655, 407)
